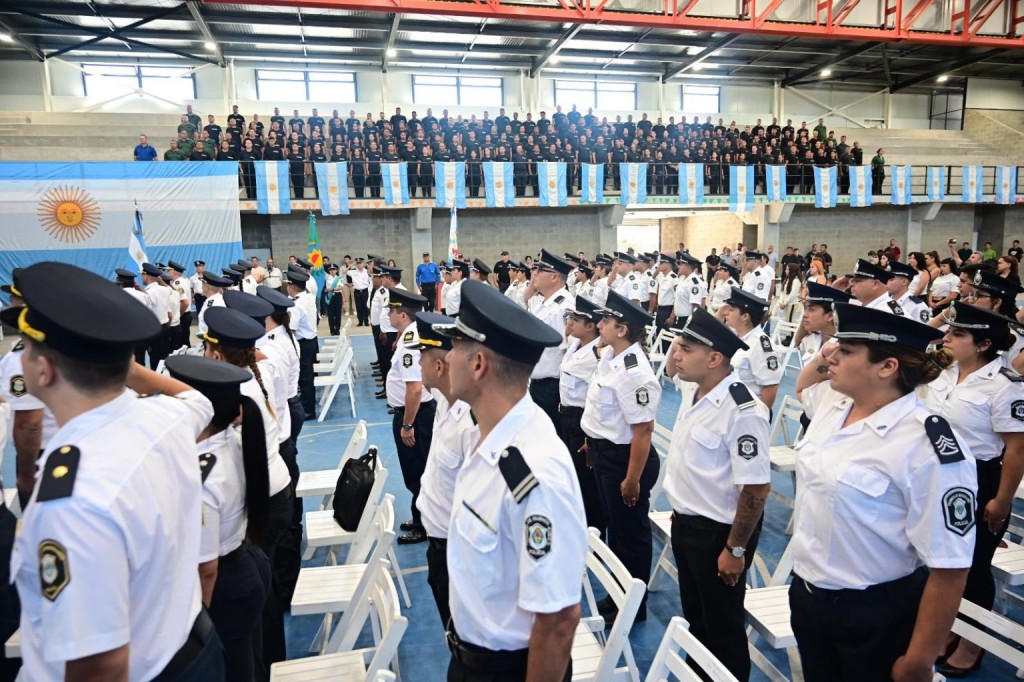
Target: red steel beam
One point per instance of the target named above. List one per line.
(841, 15)
(897, 26)
(986, 12)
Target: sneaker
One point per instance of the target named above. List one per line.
(380, 395)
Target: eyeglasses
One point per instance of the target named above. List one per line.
(975, 295)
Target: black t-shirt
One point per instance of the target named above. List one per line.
(1016, 252)
(213, 130)
(501, 270)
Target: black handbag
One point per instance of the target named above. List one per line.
(353, 489)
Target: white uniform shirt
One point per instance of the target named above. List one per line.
(224, 519)
(215, 301)
(249, 285)
(405, 368)
(551, 311)
(278, 346)
(124, 547)
(810, 345)
(506, 560)
(873, 501)
(717, 447)
(377, 305)
(184, 288)
(275, 378)
(173, 305)
(666, 288)
(723, 290)
(600, 293)
(278, 470)
(623, 392)
(197, 285)
(757, 283)
(385, 318)
(274, 278)
(690, 291)
(578, 366)
(360, 278)
(885, 302)
(915, 308)
(159, 297)
(14, 390)
(302, 318)
(142, 297)
(453, 297)
(633, 286)
(311, 286)
(760, 365)
(454, 437)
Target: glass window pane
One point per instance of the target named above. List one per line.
(331, 92)
(575, 85)
(614, 101)
(616, 87)
(435, 94)
(109, 70)
(480, 97)
(701, 99)
(270, 74)
(105, 87)
(281, 91)
(163, 71)
(326, 76)
(481, 82)
(172, 88)
(433, 80)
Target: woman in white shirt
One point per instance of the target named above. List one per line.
(944, 288)
(789, 294)
(918, 285)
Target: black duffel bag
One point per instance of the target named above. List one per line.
(353, 489)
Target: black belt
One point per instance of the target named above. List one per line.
(869, 591)
(202, 628)
(485, 660)
(236, 553)
(543, 379)
(570, 410)
(663, 307)
(602, 444)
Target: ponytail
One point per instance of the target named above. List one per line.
(254, 463)
(283, 318)
(246, 357)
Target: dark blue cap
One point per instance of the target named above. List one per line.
(733, 271)
(428, 337)
(552, 263)
(859, 323)
(390, 271)
(231, 328)
(966, 316)
(295, 267)
(587, 309)
(625, 310)
(216, 280)
(624, 257)
(403, 298)
(665, 258)
(231, 274)
(244, 264)
(215, 379)
(481, 266)
(747, 302)
(990, 281)
(902, 269)
(236, 267)
(253, 306)
(175, 265)
(123, 275)
(589, 272)
(752, 255)
(704, 328)
(865, 268)
(151, 270)
(298, 277)
(199, 262)
(688, 259)
(304, 263)
(275, 298)
(822, 293)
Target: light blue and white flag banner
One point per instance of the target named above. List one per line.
(273, 194)
(634, 183)
(936, 183)
(691, 183)
(775, 183)
(450, 184)
(499, 188)
(971, 186)
(860, 186)
(1006, 184)
(85, 213)
(453, 236)
(901, 189)
(825, 187)
(741, 188)
(551, 183)
(592, 187)
(395, 183)
(137, 244)
(332, 185)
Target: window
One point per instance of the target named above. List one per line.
(305, 86)
(599, 95)
(701, 99)
(110, 80)
(458, 90)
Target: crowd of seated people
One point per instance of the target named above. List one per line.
(572, 138)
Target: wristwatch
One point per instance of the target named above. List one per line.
(737, 552)
(406, 427)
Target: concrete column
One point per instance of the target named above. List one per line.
(610, 218)
(661, 98)
(47, 87)
(232, 90)
(777, 97)
(420, 240)
(384, 91)
(916, 217)
(770, 218)
(887, 108)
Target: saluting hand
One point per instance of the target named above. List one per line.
(730, 568)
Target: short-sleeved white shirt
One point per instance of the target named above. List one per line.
(15, 391)
(723, 290)
(551, 311)
(760, 365)
(758, 283)
(453, 297)
(215, 301)
(405, 368)
(224, 518)
(690, 291)
(915, 309)
(302, 319)
(623, 392)
(277, 344)
(666, 288)
(455, 435)
(377, 305)
(578, 366)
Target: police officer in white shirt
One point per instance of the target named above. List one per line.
(360, 281)
(173, 299)
(817, 327)
(517, 541)
(868, 284)
(627, 283)
(110, 539)
(158, 346)
(726, 277)
(249, 283)
(198, 297)
(376, 308)
(755, 279)
(898, 286)
(453, 293)
(665, 291)
(717, 481)
(548, 280)
(759, 365)
(213, 294)
(183, 287)
(128, 281)
(690, 289)
(599, 294)
(391, 279)
(885, 507)
(303, 323)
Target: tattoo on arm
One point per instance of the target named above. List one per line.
(748, 513)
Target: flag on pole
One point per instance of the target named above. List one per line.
(691, 183)
(775, 183)
(137, 244)
(453, 236)
(901, 195)
(315, 255)
(936, 183)
(396, 183)
(741, 188)
(971, 186)
(332, 186)
(551, 183)
(1006, 184)
(860, 186)
(634, 183)
(450, 184)
(272, 193)
(499, 187)
(593, 183)
(825, 187)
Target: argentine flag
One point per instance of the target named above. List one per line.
(551, 183)
(775, 183)
(1006, 184)
(272, 192)
(450, 184)
(936, 183)
(634, 183)
(395, 183)
(971, 184)
(332, 185)
(691, 183)
(825, 186)
(741, 188)
(860, 186)
(137, 244)
(901, 195)
(499, 185)
(593, 183)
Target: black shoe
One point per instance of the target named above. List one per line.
(413, 537)
(954, 673)
(407, 525)
(375, 364)
(380, 395)
(310, 417)
(392, 410)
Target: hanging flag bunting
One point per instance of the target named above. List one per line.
(825, 187)
(453, 236)
(499, 188)
(593, 183)
(395, 183)
(314, 254)
(634, 183)
(775, 183)
(332, 185)
(901, 195)
(450, 184)
(272, 192)
(936, 183)
(691, 183)
(860, 186)
(1006, 184)
(551, 183)
(741, 188)
(971, 186)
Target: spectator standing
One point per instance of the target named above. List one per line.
(964, 251)
(988, 253)
(427, 278)
(187, 127)
(193, 117)
(501, 271)
(274, 277)
(1016, 251)
(175, 154)
(144, 152)
(212, 129)
(773, 258)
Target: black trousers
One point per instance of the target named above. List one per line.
(877, 177)
(280, 511)
(981, 587)
(334, 313)
(545, 393)
(308, 348)
(360, 297)
(378, 347)
(243, 581)
(506, 666)
(299, 185)
(664, 312)
(629, 528)
(387, 348)
(714, 609)
(199, 301)
(10, 605)
(185, 330)
(413, 460)
(437, 577)
(207, 664)
(158, 347)
(854, 635)
(288, 550)
(429, 291)
(574, 438)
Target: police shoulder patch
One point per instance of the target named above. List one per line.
(643, 398)
(958, 510)
(695, 290)
(54, 569)
(1017, 410)
(559, 299)
(773, 363)
(538, 536)
(517, 473)
(18, 387)
(946, 447)
(630, 361)
(1011, 375)
(760, 285)
(747, 447)
(925, 315)
(206, 462)
(766, 344)
(407, 360)
(58, 479)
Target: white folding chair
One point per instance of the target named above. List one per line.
(787, 427)
(322, 530)
(767, 611)
(661, 516)
(332, 382)
(594, 656)
(787, 330)
(1008, 564)
(992, 624)
(12, 647)
(324, 482)
(659, 352)
(678, 645)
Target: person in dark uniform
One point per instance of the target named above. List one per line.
(317, 155)
(501, 271)
(297, 170)
(373, 159)
(877, 171)
(359, 171)
(332, 298)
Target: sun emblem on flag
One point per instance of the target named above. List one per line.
(272, 186)
(333, 189)
(899, 185)
(860, 186)
(632, 184)
(971, 183)
(691, 184)
(69, 214)
(450, 186)
(741, 187)
(551, 184)
(498, 184)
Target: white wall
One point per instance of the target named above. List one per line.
(994, 94)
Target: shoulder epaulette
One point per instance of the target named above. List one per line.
(18, 346)
(206, 462)
(766, 344)
(741, 395)
(1011, 375)
(672, 275)
(58, 479)
(517, 474)
(917, 299)
(942, 439)
(407, 337)
(895, 307)
(630, 361)
(559, 298)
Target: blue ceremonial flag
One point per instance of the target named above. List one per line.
(634, 183)
(741, 188)
(1006, 184)
(901, 195)
(499, 186)
(775, 183)
(691, 183)
(860, 186)
(936, 183)
(593, 183)
(450, 184)
(971, 186)
(551, 183)
(272, 192)
(332, 185)
(137, 243)
(825, 187)
(395, 182)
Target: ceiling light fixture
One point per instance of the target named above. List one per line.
(392, 52)
(210, 45)
(825, 73)
(942, 79)
(4, 38)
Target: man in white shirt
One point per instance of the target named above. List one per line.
(549, 274)
(198, 298)
(360, 286)
(274, 278)
(303, 323)
(183, 287)
(391, 279)
(151, 278)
